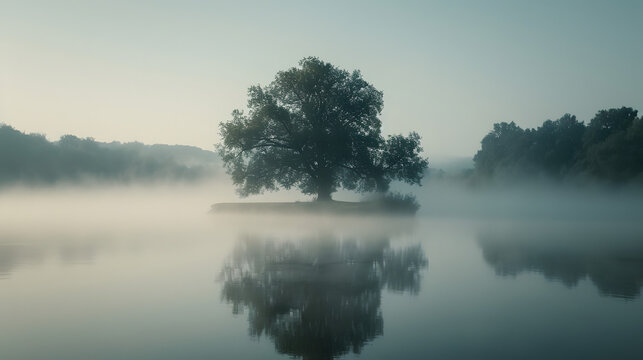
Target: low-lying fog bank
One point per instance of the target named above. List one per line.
(530, 200)
(144, 205)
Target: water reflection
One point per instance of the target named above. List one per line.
(318, 297)
(20, 253)
(611, 256)
(12, 256)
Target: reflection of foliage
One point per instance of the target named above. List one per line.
(616, 268)
(317, 298)
(11, 256)
(401, 269)
(396, 202)
(14, 255)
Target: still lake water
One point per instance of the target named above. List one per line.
(117, 283)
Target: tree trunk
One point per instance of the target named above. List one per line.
(324, 186)
(381, 185)
(323, 193)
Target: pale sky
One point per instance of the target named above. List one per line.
(170, 71)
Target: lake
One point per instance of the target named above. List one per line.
(115, 275)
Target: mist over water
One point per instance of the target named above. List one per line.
(147, 272)
(414, 180)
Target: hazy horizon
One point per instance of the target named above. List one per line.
(169, 72)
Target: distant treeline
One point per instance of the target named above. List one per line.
(32, 159)
(609, 148)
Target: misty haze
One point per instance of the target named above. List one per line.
(183, 180)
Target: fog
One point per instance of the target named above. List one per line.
(39, 223)
(116, 262)
(140, 205)
(530, 200)
(75, 224)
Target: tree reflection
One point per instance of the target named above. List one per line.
(19, 252)
(612, 258)
(319, 297)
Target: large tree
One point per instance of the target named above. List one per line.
(316, 127)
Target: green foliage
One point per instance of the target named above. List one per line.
(316, 127)
(399, 203)
(31, 159)
(609, 148)
(613, 145)
(557, 145)
(503, 148)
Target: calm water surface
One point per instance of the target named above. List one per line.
(199, 286)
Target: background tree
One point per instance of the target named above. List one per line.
(316, 127)
(502, 149)
(556, 145)
(613, 145)
(609, 148)
(32, 159)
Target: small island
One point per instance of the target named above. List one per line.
(393, 204)
(316, 128)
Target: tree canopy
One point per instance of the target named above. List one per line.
(609, 148)
(316, 127)
(32, 159)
